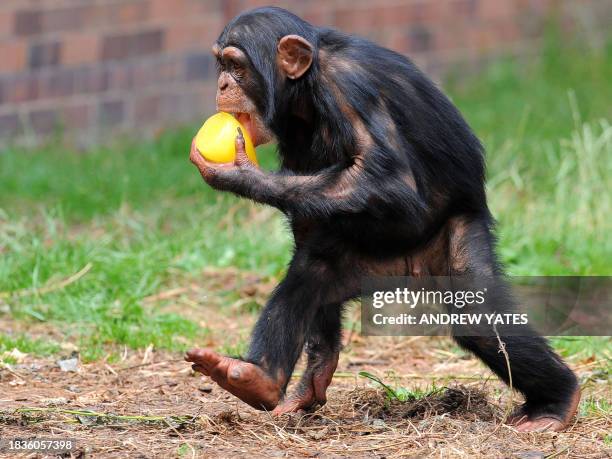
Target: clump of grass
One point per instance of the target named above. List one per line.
(546, 128)
(583, 347)
(25, 345)
(400, 402)
(399, 393)
(595, 406)
(559, 224)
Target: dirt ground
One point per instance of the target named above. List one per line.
(150, 404)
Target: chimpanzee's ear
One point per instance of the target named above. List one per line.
(294, 55)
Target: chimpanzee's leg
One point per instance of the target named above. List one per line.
(550, 388)
(278, 336)
(322, 350)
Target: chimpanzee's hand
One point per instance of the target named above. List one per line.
(224, 176)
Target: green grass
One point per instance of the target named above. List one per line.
(594, 406)
(546, 127)
(24, 345)
(583, 346)
(141, 216)
(400, 393)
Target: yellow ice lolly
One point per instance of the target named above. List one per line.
(216, 139)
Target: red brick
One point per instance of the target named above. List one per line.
(76, 116)
(166, 70)
(45, 121)
(291, 5)
(508, 32)
(28, 22)
(230, 9)
(91, 79)
(395, 15)
(125, 46)
(497, 9)
(531, 25)
(171, 104)
(420, 39)
(482, 38)
(402, 14)
(199, 66)
(396, 40)
(165, 10)
(206, 7)
(111, 113)
(14, 56)
(21, 88)
(187, 35)
(6, 22)
(145, 73)
(57, 84)
(351, 20)
(10, 125)
(537, 7)
(440, 13)
(154, 72)
(78, 17)
(465, 9)
(131, 12)
(121, 77)
(453, 36)
(147, 109)
(79, 48)
(476, 39)
(317, 14)
(62, 19)
(44, 55)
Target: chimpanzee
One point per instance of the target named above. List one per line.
(380, 175)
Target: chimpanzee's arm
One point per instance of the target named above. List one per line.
(354, 189)
(349, 190)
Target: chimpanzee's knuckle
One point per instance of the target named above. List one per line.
(235, 375)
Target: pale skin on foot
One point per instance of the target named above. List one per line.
(252, 385)
(245, 380)
(523, 423)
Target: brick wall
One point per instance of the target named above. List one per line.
(87, 66)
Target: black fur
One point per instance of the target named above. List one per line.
(420, 169)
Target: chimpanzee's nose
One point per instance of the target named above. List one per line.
(223, 84)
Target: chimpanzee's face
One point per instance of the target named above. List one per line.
(234, 75)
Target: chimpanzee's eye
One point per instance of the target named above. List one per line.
(238, 72)
(235, 68)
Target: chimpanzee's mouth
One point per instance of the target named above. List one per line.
(246, 120)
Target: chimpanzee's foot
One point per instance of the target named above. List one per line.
(245, 380)
(549, 418)
(311, 390)
(300, 400)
